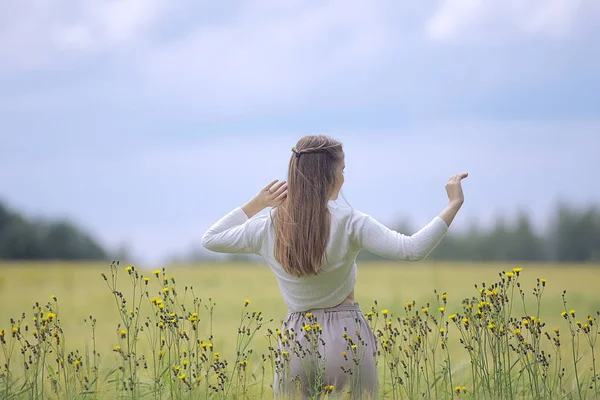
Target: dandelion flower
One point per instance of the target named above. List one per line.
(384, 312)
(309, 315)
(128, 268)
(509, 275)
(117, 348)
(452, 317)
(246, 302)
(572, 312)
(156, 272)
(441, 309)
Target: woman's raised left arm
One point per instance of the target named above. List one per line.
(237, 232)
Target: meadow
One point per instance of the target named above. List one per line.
(209, 330)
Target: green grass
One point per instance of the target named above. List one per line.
(81, 292)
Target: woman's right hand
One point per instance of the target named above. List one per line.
(454, 189)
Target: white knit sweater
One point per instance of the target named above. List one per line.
(351, 231)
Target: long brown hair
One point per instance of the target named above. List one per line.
(302, 221)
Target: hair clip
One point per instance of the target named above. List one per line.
(297, 153)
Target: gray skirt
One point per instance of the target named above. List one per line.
(331, 350)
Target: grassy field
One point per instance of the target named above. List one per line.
(80, 291)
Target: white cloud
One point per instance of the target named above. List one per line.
(482, 19)
(39, 34)
(270, 50)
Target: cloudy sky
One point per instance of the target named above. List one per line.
(146, 120)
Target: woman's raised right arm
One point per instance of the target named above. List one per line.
(371, 235)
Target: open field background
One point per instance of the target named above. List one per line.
(81, 291)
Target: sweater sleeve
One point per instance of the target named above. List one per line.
(371, 235)
(234, 233)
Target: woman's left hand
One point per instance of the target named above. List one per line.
(271, 195)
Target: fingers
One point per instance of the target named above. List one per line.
(282, 196)
(458, 177)
(268, 187)
(280, 188)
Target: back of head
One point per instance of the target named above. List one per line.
(302, 221)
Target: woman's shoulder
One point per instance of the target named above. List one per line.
(347, 215)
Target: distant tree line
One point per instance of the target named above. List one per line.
(573, 235)
(23, 238)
